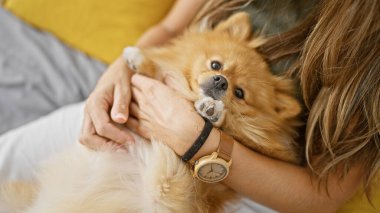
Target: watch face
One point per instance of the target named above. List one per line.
(212, 172)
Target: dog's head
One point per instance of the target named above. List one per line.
(260, 106)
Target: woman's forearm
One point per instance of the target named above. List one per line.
(286, 187)
(280, 185)
(179, 17)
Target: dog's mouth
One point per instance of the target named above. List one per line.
(214, 87)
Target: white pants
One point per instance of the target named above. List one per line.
(24, 148)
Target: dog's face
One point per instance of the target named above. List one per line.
(225, 66)
(236, 75)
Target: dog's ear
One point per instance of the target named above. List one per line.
(237, 25)
(286, 105)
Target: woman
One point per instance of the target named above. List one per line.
(337, 65)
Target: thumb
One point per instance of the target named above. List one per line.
(121, 100)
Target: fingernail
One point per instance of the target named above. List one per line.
(120, 117)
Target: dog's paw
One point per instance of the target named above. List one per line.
(133, 57)
(211, 109)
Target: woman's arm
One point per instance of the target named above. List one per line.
(161, 113)
(287, 187)
(179, 17)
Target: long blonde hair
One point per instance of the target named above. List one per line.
(339, 72)
(338, 66)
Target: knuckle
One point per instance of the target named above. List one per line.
(95, 98)
(101, 129)
(88, 137)
(91, 97)
(91, 101)
(84, 139)
(151, 91)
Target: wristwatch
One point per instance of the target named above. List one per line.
(215, 167)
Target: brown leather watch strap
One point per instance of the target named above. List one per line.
(226, 145)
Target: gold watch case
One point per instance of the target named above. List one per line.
(211, 168)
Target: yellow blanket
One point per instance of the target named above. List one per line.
(360, 204)
(97, 27)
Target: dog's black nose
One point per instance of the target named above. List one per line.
(215, 86)
(220, 83)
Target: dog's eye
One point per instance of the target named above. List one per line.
(216, 65)
(239, 93)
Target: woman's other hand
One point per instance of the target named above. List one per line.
(107, 108)
(159, 112)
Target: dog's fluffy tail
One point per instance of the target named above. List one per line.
(16, 196)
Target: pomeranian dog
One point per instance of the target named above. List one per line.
(231, 85)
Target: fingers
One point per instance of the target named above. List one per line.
(122, 97)
(107, 108)
(137, 127)
(146, 85)
(103, 124)
(140, 81)
(151, 88)
(174, 83)
(88, 137)
(135, 122)
(139, 97)
(135, 112)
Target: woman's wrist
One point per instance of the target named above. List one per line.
(156, 35)
(210, 146)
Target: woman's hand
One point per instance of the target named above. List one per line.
(107, 108)
(161, 113)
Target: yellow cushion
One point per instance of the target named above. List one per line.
(359, 202)
(99, 28)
